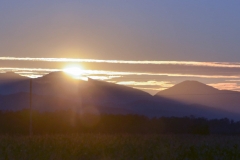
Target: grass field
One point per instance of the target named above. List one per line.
(124, 146)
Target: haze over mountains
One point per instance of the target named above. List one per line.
(58, 91)
(193, 92)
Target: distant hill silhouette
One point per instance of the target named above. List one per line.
(189, 88)
(11, 76)
(11, 82)
(193, 92)
(58, 91)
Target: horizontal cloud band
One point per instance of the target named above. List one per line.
(188, 63)
(113, 73)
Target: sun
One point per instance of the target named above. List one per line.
(75, 71)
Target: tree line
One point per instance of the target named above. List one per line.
(62, 122)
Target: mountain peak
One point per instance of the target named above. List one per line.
(189, 87)
(191, 83)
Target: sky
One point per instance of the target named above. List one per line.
(149, 45)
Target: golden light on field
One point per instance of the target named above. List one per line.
(74, 71)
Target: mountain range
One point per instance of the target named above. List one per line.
(58, 91)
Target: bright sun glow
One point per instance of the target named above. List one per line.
(75, 72)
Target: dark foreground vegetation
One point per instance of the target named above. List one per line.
(120, 146)
(62, 122)
(67, 135)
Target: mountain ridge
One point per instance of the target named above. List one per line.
(104, 96)
(11, 76)
(206, 95)
(189, 87)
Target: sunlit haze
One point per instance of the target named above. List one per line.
(149, 45)
(75, 72)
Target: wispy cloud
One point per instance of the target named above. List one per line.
(13, 69)
(236, 80)
(29, 72)
(149, 86)
(152, 78)
(147, 83)
(226, 86)
(103, 77)
(188, 63)
(114, 73)
(85, 72)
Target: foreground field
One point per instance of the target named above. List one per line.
(124, 146)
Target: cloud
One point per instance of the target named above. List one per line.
(149, 86)
(104, 77)
(13, 69)
(236, 80)
(28, 72)
(115, 73)
(226, 86)
(95, 67)
(153, 75)
(156, 74)
(187, 63)
(146, 83)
